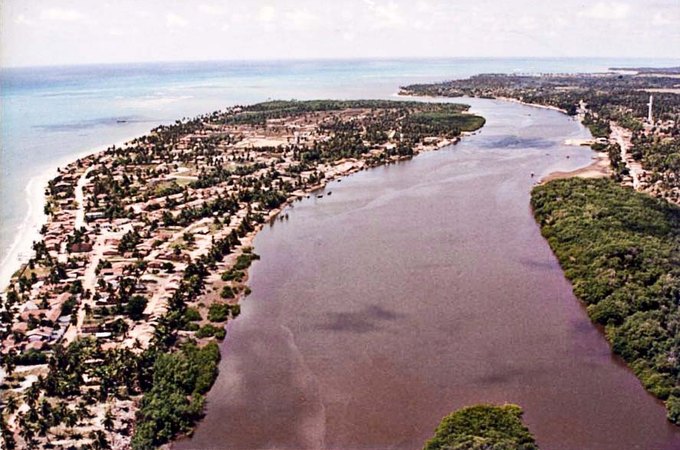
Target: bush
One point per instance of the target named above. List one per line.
(244, 260)
(30, 358)
(227, 292)
(211, 331)
(673, 407)
(233, 275)
(218, 312)
(176, 400)
(192, 315)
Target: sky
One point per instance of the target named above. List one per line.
(62, 32)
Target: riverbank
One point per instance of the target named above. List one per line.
(535, 105)
(599, 168)
(633, 243)
(165, 214)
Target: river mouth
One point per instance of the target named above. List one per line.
(416, 289)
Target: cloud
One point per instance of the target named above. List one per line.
(21, 19)
(301, 19)
(212, 9)
(386, 16)
(173, 20)
(116, 32)
(267, 13)
(665, 18)
(62, 15)
(607, 11)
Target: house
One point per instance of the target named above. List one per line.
(94, 215)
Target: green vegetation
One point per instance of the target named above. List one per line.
(483, 427)
(219, 312)
(621, 251)
(135, 307)
(210, 330)
(441, 123)
(176, 400)
(129, 241)
(233, 275)
(257, 114)
(192, 314)
(227, 292)
(245, 260)
(598, 128)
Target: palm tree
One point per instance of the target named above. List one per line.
(108, 420)
(31, 394)
(11, 404)
(6, 435)
(99, 440)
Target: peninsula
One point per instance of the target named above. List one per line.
(109, 332)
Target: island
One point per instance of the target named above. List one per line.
(617, 239)
(110, 332)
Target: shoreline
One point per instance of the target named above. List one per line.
(536, 105)
(600, 167)
(20, 250)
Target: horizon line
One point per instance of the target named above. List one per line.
(313, 59)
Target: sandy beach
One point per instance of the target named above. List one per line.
(514, 100)
(599, 168)
(29, 231)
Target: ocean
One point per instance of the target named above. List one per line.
(50, 115)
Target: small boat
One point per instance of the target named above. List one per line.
(319, 196)
(329, 193)
(532, 174)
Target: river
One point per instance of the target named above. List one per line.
(416, 289)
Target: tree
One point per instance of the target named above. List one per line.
(136, 306)
(483, 427)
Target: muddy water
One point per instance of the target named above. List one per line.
(416, 289)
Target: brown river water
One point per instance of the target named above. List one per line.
(416, 289)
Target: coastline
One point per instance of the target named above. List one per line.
(20, 251)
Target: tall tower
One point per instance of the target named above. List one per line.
(650, 118)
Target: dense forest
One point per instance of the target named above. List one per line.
(621, 251)
(483, 427)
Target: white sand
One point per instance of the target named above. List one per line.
(21, 249)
